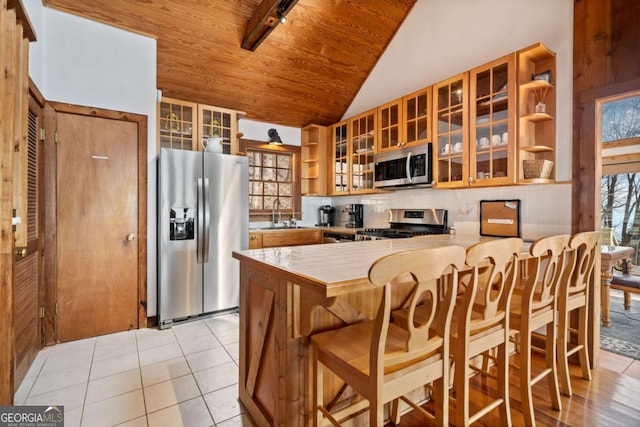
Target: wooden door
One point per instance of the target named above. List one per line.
(27, 334)
(97, 226)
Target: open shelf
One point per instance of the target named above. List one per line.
(537, 117)
(537, 85)
(314, 160)
(537, 149)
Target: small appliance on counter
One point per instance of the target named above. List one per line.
(327, 216)
(355, 214)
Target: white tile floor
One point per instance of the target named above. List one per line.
(183, 376)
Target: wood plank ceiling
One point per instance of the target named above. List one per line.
(308, 70)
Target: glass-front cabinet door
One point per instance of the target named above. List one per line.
(177, 124)
(389, 128)
(218, 123)
(415, 117)
(492, 116)
(340, 141)
(363, 133)
(450, 129)
(405, 121)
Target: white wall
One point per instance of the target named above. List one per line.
(82, 62)
(258, 131)
(442, 38)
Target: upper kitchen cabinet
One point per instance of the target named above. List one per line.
(492, 121)
(177, 121)
(184, 124)
(353, 144)
(451, 136)
(405, 121)
(474, 117)
(537, 111)
(340, 146)
(314, 160)
(362, 147)
(218, 122)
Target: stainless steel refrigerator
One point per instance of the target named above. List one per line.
(203, 215)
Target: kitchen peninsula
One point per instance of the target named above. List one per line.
(289, 293)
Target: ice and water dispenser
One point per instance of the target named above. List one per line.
(181, 224)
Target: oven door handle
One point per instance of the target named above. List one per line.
(409, 177)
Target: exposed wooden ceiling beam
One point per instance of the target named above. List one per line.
(264, 20)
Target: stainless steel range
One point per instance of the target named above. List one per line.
(411, 222)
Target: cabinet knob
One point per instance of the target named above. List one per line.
(253, 237)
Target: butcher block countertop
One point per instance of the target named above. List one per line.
(339, 268)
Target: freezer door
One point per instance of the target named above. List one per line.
(179, 220)
(227, 178)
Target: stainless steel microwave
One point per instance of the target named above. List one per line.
(406, 167)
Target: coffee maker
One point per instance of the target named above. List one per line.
(327, 216)
(355, 214)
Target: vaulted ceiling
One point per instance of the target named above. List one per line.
(307, 70)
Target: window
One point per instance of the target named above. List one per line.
(273, 180)
(270, 179)
(619, 135)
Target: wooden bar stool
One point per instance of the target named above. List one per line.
(382, 361)
(481, 323)
(533, 306)
(573, 295)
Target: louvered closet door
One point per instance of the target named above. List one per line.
(27, 337)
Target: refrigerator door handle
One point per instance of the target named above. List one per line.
(207, 221)
(200, 221)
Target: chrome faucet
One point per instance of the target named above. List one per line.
(273, 212)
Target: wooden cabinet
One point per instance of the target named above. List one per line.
(492, 121)
(255, 240)
(183, 124)
(475, 126)
(537, 110)
(218, 123)
(405, 121)
(339, 181)
(177, 124)
(450, 128)
(290, 237)
(353, 144)
(314, 161)
(361, 150)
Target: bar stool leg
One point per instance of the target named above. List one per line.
(552, 377)
(525, 379)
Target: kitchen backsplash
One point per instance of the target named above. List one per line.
(546, 209)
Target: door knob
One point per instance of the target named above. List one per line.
(131, 236)
(22, 252)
